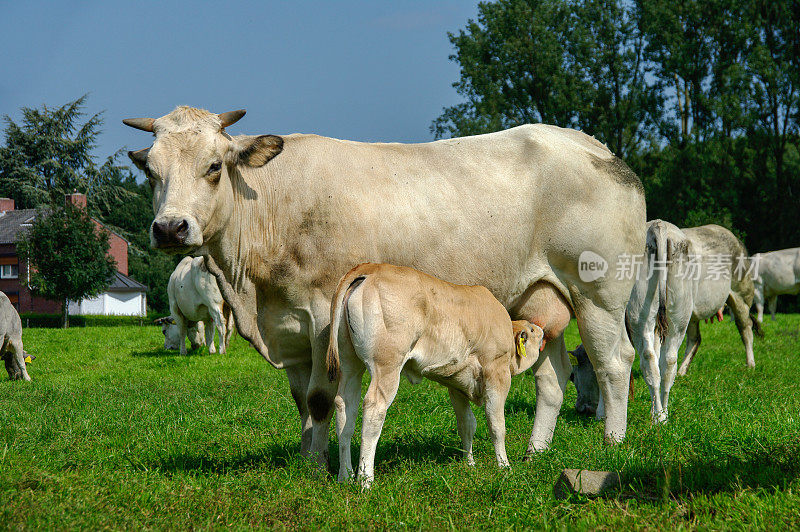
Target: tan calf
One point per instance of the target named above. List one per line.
(392, 320)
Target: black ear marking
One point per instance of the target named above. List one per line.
(261, 150)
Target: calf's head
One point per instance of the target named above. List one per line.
(190, 168)
(172, 333)
(528, 341)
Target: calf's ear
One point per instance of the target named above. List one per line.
(256, 151)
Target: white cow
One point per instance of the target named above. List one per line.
(660, 309)
(724, 277)
(393, 320)
(195, 301)
(281, 219)
(778, 274)
(709, 269)
(11, 349)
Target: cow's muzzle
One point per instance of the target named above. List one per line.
(172, 233)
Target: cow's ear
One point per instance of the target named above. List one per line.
(139, 158)
(257, 151)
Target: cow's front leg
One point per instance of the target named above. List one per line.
(465, 422)
(209, 329)
(321, 394)
(299, 376)
(551, 380)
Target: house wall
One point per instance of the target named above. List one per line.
(112, 304)
(17, 289)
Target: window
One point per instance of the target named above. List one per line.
(9, 271)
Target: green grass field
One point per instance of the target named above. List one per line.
(114, 432)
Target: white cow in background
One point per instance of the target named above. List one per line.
(660, 308)
(195, 300)
(778, 274)
(11, 351)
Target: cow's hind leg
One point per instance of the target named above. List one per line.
(346, 403)
(380, 394)
(773, 305)
(611, 353)
(669, 365)
(465, 422)
(299, 376)
(320, 398)
(741, 314)
(649, 364)
(693, 340)
(552, 374)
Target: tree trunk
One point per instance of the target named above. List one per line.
(65, 313)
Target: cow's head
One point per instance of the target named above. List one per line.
(189, 167)
(585, 380)
(172, 333)
(15, 364)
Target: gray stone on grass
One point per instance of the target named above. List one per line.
(585, 482)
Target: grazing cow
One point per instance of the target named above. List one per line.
(279, 220)
(392, 320)
(11, 350)
(660, 309)
(195, 302)
(172, 333)
(723, 276)
(778, 274)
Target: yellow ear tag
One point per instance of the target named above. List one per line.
(28, 360)
(521, 347)
(572, 359)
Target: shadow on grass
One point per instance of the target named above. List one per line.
(276, 456)
(766, 467)
(161, 352)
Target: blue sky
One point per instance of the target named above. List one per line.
(371, 71)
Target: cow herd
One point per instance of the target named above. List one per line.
(445, 244)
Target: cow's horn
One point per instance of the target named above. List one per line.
(145, 124)
(231, 117)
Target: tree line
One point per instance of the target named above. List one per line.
(49, 154)
(698, 97)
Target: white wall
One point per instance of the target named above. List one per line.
(112, 303)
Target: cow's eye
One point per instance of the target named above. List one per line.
(214, 168)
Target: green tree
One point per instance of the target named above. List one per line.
(68, 255)
(573, 64)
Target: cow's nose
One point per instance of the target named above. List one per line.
(171, 233)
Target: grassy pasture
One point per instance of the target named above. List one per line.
(114, 432)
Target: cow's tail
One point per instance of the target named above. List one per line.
(346, 286)
(663, 257)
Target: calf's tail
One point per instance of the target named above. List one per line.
(346, 286)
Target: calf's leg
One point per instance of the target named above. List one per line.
(465, 421)
(497, 386)
(208, 325)
(380, 394)
(346, 405)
